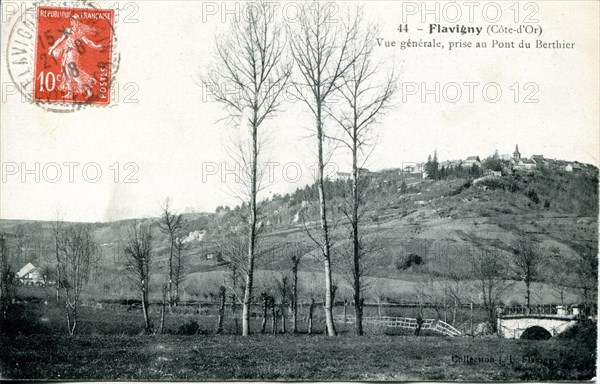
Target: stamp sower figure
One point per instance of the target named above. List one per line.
(67, 49)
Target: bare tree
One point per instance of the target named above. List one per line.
(365, 98)
(559, 273)
(171, 224)
(179, 267)
(585, 269)
(251, 58)
(527, 257)
(490, 280)
(78, 252)
(138, 261)
(320, 48)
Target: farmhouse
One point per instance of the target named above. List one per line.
(30, 274)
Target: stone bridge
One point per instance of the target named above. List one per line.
(513, 326)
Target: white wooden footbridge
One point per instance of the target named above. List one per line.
(438, 326)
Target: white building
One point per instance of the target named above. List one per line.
(30, 274)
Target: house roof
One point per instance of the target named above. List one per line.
(473, 158)
(528, 161)
(28, 268)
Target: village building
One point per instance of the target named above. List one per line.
(450, 164)
(472, 161)
(30, 274)
(524, 165)
(341, 176)
(516, 153)
(573, 167)
(492, 174)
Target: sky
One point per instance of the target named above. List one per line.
(168, 139)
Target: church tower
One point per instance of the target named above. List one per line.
(517, 154)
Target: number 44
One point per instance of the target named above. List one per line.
(403, 28)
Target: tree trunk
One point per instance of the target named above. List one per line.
(345, 311)
(170, 286)
(283, 323)
(71, 317)
(162, 311)
(74, 319)
(311, 308)
(176, 291)
(528, 297)
(274, 314)
(145, 311)
(233, 313)
(295, 297)
(222, 296)
(252, 238)
(265, 313)
(562, 296)
(328, 307)
(358, 313)
(471, 320)
(58, 284)
(356, 270)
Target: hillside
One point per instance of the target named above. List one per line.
(442, 222)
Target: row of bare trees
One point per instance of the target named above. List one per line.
(140, 261)
(329, 57)
(76, 253)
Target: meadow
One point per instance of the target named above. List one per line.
(109, 346)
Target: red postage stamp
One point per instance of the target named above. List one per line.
(73, 55)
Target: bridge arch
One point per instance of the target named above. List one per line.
(536, 332)
(515, 325)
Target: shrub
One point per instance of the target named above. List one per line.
(533, 196)
(190, 328)
(410, 260)
(585, 332)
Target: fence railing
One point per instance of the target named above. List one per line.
(532, 310)
(438, 326)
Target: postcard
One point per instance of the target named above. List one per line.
(308, 190)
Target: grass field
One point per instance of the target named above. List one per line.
(289, 357)
(108, 347)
